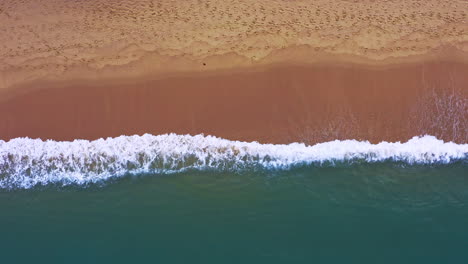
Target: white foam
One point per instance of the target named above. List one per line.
(27, 162)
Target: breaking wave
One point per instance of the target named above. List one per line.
(25, 162)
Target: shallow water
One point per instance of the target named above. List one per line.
(385, 212)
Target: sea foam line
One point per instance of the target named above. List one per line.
(26, 162)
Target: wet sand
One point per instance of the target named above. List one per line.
(278, 104)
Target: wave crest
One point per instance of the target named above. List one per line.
(26, 162)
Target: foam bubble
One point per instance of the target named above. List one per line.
(26, 162)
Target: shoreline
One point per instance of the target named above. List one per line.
(283, 103)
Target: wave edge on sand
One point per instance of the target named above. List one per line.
(25, 162)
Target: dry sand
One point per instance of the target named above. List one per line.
(273, 71)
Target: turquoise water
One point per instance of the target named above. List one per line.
(384, 212)
(201, 199)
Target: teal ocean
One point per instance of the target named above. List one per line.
(201, 199)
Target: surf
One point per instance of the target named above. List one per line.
(25, 162)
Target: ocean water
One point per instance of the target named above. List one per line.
(202, 199)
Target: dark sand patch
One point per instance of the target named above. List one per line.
(279, 104)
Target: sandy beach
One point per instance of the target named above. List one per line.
(268, 71)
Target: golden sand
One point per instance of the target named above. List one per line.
(50, 38)
(97, 49)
